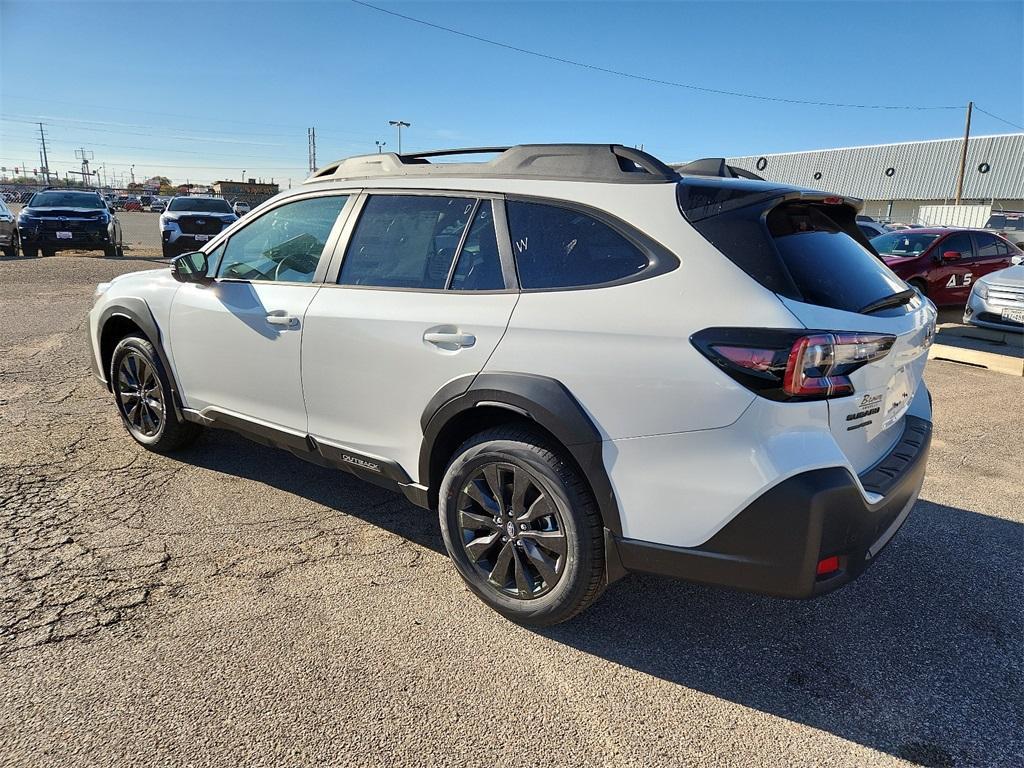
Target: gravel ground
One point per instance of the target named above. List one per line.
(234, 606)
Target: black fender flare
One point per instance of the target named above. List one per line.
(138, 312)
(541, 399)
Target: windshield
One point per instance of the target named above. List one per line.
(904, 243)
(66, 200)
(1004, 221)
(201, 204)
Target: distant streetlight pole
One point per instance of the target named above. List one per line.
(380, 146)
(243, 175)
(399, 124)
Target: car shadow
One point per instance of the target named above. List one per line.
(919, 658)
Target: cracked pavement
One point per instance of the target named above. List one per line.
(232, 605)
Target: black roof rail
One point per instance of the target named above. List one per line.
(716, 166)
(612, 163)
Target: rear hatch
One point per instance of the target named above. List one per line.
(805, 246)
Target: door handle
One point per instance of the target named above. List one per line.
(450, 339)
(279, 318)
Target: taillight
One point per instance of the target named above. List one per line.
(792, 365)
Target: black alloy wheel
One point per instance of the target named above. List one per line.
(511, 531)
(521, 525)
(140, 395)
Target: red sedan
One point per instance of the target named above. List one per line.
(944, 263)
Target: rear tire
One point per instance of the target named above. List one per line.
(168, 251)
(49, 252)
(30, 251)
(142, 392)
(110, 252)
(522, 526)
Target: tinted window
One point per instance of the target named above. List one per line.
(902, 243)
(561, 248)
(405, 241)
(479, 265)
(200, 204)
(990, 247)
(284, 244)
(828, 267)
(868, 232)
(66, 200)
(961, 243)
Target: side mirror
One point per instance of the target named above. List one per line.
(191, 268)
(951, 256)
(1017, 259)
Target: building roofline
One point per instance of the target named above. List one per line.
(874, 146)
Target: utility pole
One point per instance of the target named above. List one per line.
(46, 161)
(399, 124)
(311, 135)
(85, 155)
(963, 154)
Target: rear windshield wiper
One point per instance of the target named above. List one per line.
(895, 300)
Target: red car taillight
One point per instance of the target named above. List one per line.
(792, 365)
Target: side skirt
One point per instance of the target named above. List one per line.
(373, 469)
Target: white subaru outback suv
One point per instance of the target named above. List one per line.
(588, 362)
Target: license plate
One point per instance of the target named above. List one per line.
(202, 237)
(63, 235)
(1014, 315)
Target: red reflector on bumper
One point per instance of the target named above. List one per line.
(828, 565)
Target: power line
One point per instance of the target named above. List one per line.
(634, 76)
(997, 117)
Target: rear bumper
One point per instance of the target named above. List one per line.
(774, 545)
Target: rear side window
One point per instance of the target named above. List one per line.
(562, 248)
(828, 267)
(479, 265)
(990, 247)
(405, 241)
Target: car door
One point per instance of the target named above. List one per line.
(952, 276)
(992, 253)
(236, 341)
(420, 298)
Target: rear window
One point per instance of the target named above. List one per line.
(828, 266)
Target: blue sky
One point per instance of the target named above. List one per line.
(203, 90)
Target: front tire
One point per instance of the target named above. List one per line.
(142, 391)
(30, 251)
(522, 527)
(11, 251)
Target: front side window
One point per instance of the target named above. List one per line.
(405, 241)
(284, 244)
(563, 248)
(959, 243)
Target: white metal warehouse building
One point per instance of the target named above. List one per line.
(897, 180)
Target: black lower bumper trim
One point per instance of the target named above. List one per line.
(774, 545)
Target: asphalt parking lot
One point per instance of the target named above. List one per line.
(233, 605)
